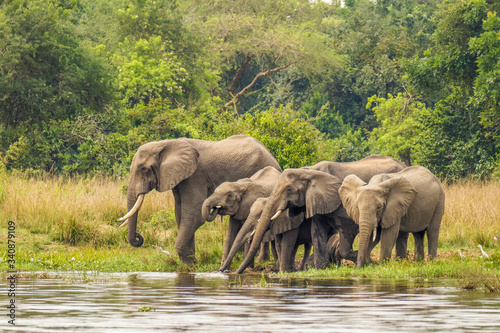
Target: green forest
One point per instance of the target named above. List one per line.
(84, 83)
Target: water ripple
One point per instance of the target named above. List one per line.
(214, 303)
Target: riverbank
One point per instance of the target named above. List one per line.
(70, 224)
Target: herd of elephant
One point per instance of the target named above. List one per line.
(323, 207)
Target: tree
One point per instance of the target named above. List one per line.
(449, 62)
(454, 140)
(148, 71)
(398, 118)
(374, 37)
(255, 39)
(45, 73)
(181, 39)
(487, 81)
(49, 81)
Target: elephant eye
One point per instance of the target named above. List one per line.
(379, 206)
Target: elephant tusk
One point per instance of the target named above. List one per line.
(214, 208)
(123, 224)
(275, 216)
(253, 232)
(134, 209)
(374, 234)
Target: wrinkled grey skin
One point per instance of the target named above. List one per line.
(192, 169)
(235, 199)
(315, 190)
(324, 226)
(301, 191)
(287, 232)
(393, 205)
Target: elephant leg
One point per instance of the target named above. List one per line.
(402, 245)
(387, 241)
(185, 243)
(419, 244)
(264, 254)
(189, 219)
(333, 247)
(307, 252)
(232, 232)
(433, 231)
(252, 262)
(278, 250)
(319, 234)
(275, 253)
(288, 248)
(347, 234)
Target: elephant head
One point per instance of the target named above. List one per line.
(298, 190)
(236, 198)
(157, 165)
(382, 202)
(225, 200)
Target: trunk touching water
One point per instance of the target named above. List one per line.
(243, 235)
(134, 238)
(260, 230)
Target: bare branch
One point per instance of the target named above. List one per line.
(239, 73)
(254, 81)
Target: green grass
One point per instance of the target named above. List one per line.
(70, 224)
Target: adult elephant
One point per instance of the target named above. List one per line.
(192, 169)
(235, 199)
(392, 205)
(314, 190)
(324, 225)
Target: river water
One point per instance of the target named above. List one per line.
(203, 302)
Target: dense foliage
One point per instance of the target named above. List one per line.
(83, 83)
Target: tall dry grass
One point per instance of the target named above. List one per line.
(79, 211)
(472, 214)
(84, 211)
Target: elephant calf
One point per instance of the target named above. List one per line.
(392, 205)
(235, 199)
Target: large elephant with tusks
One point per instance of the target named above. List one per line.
(192, 169)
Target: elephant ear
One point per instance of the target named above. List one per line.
(178, 161)
(400, 196)
(322, 194)
(348, 193)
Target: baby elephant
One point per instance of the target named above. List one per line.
(235, 199)
(392, 205)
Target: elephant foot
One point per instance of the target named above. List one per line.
(188, 260)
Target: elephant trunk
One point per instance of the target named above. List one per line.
(366, 228)
(134, 238)
(243, 236)
(209, 210)
(260, 230)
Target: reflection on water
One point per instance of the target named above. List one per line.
(171, 302)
